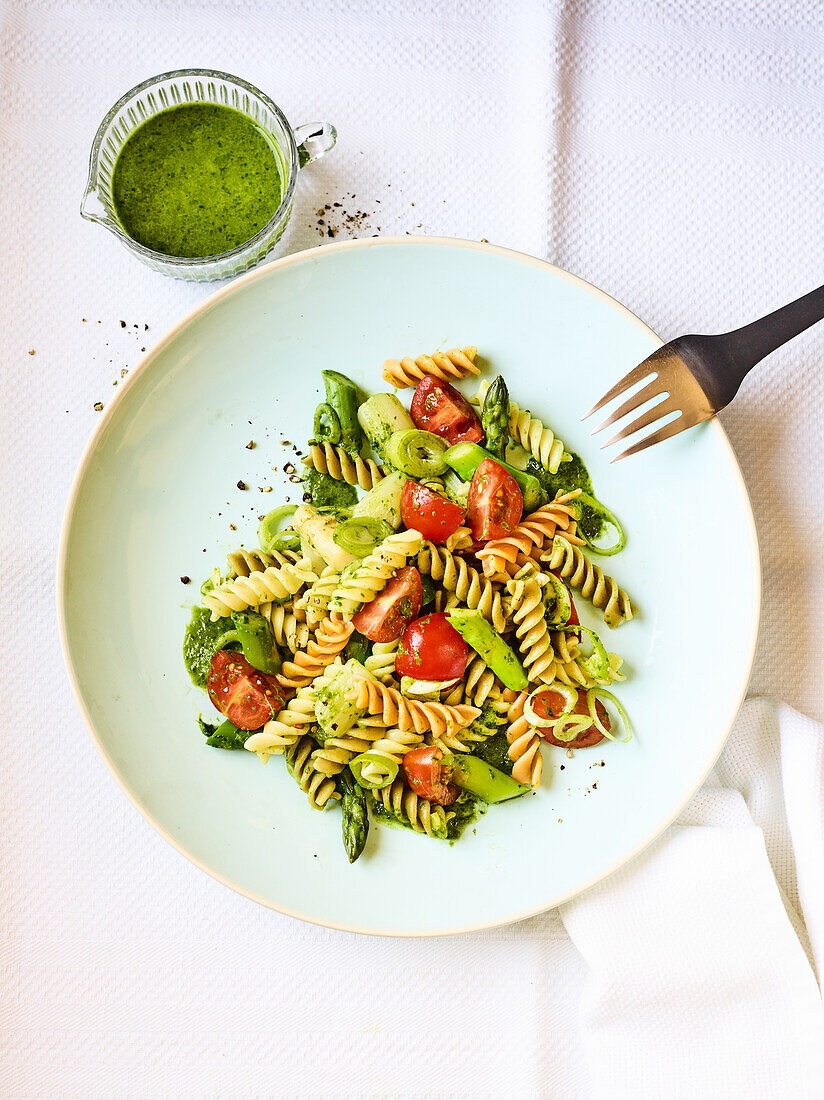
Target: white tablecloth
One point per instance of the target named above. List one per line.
(669, 151)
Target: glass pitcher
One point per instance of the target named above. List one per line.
(293, 149)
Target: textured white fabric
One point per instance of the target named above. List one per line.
(670, 152)
(701, 952)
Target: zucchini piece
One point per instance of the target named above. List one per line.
(465, 458)
(489, 644)
(335, 711)
(319, 532)
(380, 416)
(384, 501)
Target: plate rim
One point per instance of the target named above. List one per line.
(202, 307)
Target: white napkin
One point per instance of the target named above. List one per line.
(701, 952)
(670, 152)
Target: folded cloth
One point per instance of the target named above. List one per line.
(704, 953)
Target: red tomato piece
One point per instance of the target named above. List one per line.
(495, 503)
(427, 776)
(242, 694)
(433, 515)
(384, 618)
(432, 649)
(549, 705)
(589, 737)
(439, 408)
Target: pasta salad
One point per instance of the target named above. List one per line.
(407, 637)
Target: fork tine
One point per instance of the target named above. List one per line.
(635, 375)
(680, 424)
(657, 412)
(652, 389)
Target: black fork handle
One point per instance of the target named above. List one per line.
(722, 362)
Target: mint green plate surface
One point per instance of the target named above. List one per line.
(158, 485)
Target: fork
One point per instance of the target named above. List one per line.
(697, 376)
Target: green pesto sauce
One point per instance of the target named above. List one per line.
(202, 640)
(464, 810)
(357, 649)
(427, 590)
(571, 475)
(325, 492)
(495, 751)
(196, 180)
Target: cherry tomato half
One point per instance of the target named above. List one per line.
(384, 618)
(433, 515)
(495, 503)
(427, 776)
(242, 694)
(432, 649)
(439, 408)
(551, 703)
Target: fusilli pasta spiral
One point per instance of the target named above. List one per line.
(408, 714)
(243, 562)
(459, 540)
(477, 686)
(330, 640)
(285, 728)
(506, 556)
(572, 564)
(529, 615)
(423, 816)
(453, 573)
(524, 744)
(564, 646)
(448, 365)
(262, 586)
(381, 661)
(573, 674)
(319, 788)
(288, 625)
(391, 747)
(464, 740)
(444, 600)
(336, 752)
(328, 458)
(315, 600)
(366, 580)
(533, 435)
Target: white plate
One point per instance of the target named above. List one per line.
(157, 489)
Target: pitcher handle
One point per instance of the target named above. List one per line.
(314, 139)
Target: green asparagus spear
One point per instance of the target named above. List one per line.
(355, 815)
(495, 418)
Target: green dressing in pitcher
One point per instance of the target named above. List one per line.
(196, 180)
